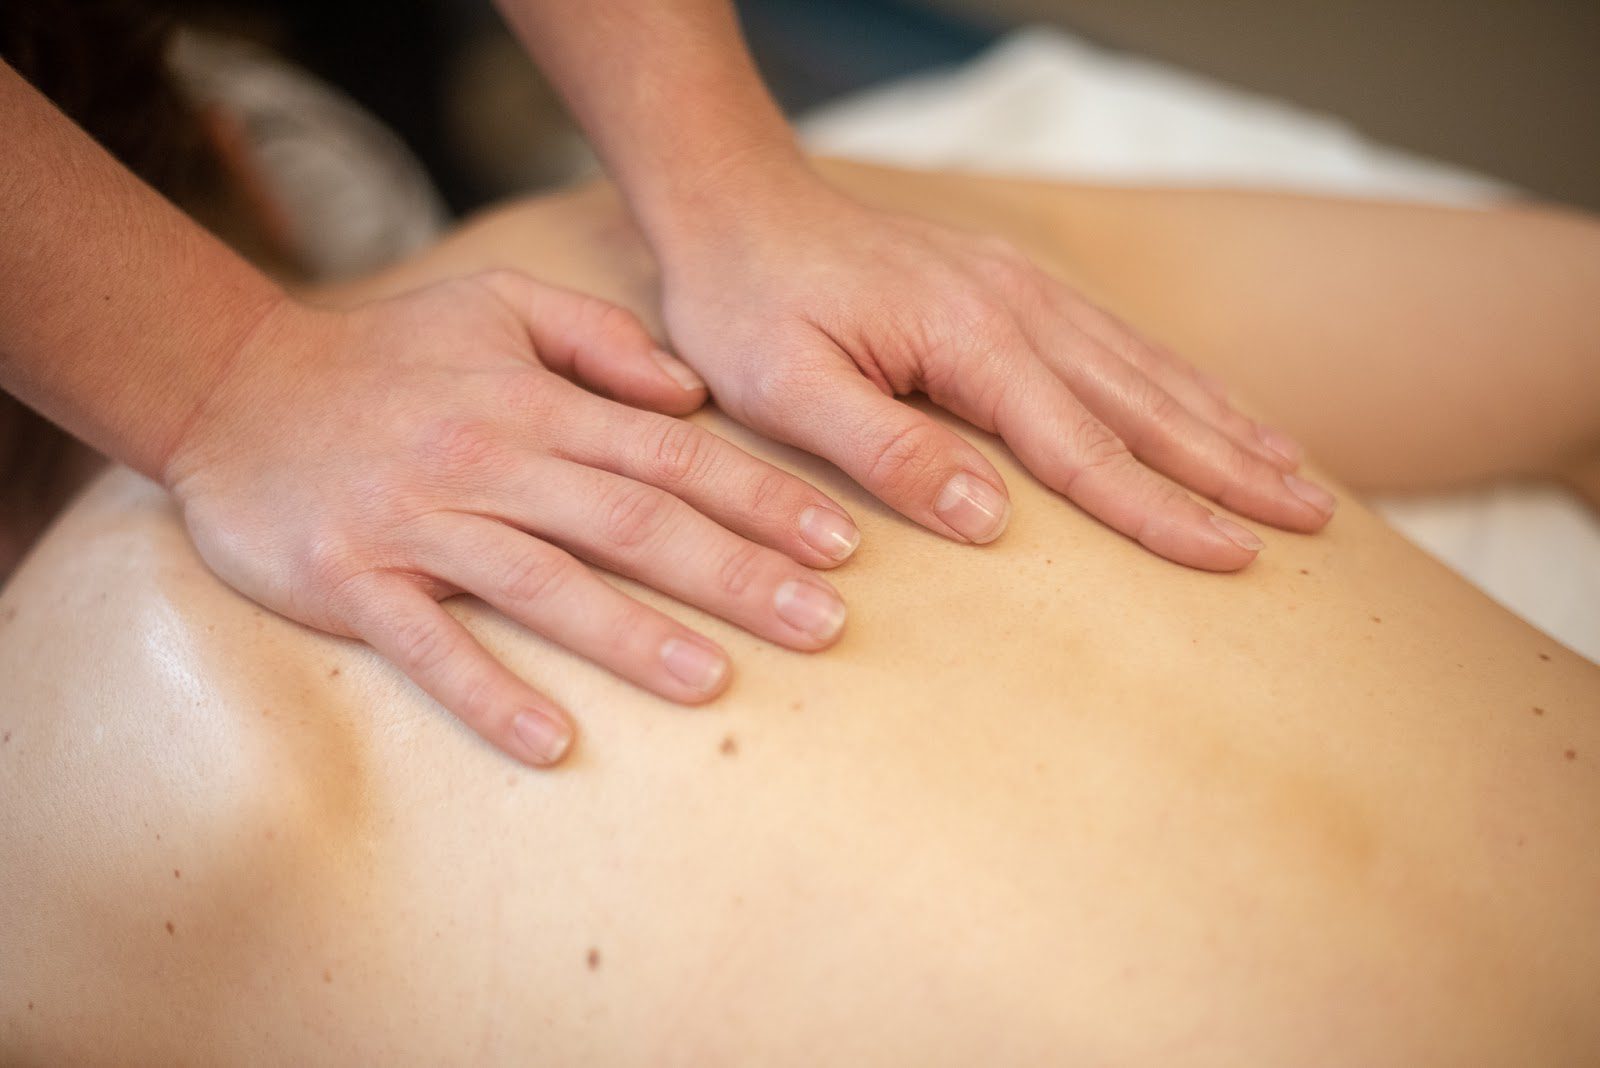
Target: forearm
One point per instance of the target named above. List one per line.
(671, 100)
(117, 312)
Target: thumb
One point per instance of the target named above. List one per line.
(922, 470)
(597, 344)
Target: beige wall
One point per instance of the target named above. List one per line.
(1511, 88)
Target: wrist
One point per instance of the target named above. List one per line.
(737, 212)
(722, 193)
(258, 332)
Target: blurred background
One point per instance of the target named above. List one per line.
(1509, 89)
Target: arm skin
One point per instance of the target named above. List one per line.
(670, 98)
(119, 346)
(808, 312)
(349, 469)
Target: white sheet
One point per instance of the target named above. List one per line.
(1042, 102)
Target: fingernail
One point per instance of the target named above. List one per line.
(696, 666)
(1280, 443)
(543, 737)
(678, 371)
(810, 609)
(973, 508)
(828, 532)
(1240, 536)
(1311, 493)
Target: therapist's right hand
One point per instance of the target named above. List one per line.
(354, 468)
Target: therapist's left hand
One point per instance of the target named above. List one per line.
(808, 313)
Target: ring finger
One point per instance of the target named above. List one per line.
(554, 595)
(649, 535)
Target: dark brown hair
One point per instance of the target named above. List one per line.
(103, 62)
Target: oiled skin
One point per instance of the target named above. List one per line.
(1049, 801)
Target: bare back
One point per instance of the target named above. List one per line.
(1051, 800)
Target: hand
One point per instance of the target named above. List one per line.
(807, 313)
(355, 467)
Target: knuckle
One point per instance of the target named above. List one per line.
(505, 286)
(634, 516)
(1239, 468)
(612, 322)
(1160, 419)
(1163, 410)
(501, 278)
(423, 645)
(329, 561)
(1004, 265)
(1094, 449)
(976, 314)
(905, 457)
(679, 451)
(528, 394)
(535, 575)
(1127, 348)
(1235, 423)
(769, 492)
(457, 446)
(998, 334)
(739, 569)
(477, 705)
(628, 629)
(769, 385)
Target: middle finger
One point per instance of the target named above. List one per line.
(649, 535)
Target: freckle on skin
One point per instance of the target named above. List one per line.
(1544, 656)
(6, 739)
(176, 874)
(797, 706)
(593, 960)
(1538, 711)
(1303, 571)
(171, 929)
(729, 746)
(1377, 619)
(333, 673)
(1572, 754)
(327, 976)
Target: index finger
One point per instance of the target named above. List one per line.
(412, 631)
(920, 469)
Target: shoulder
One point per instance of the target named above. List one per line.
(181, 788)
